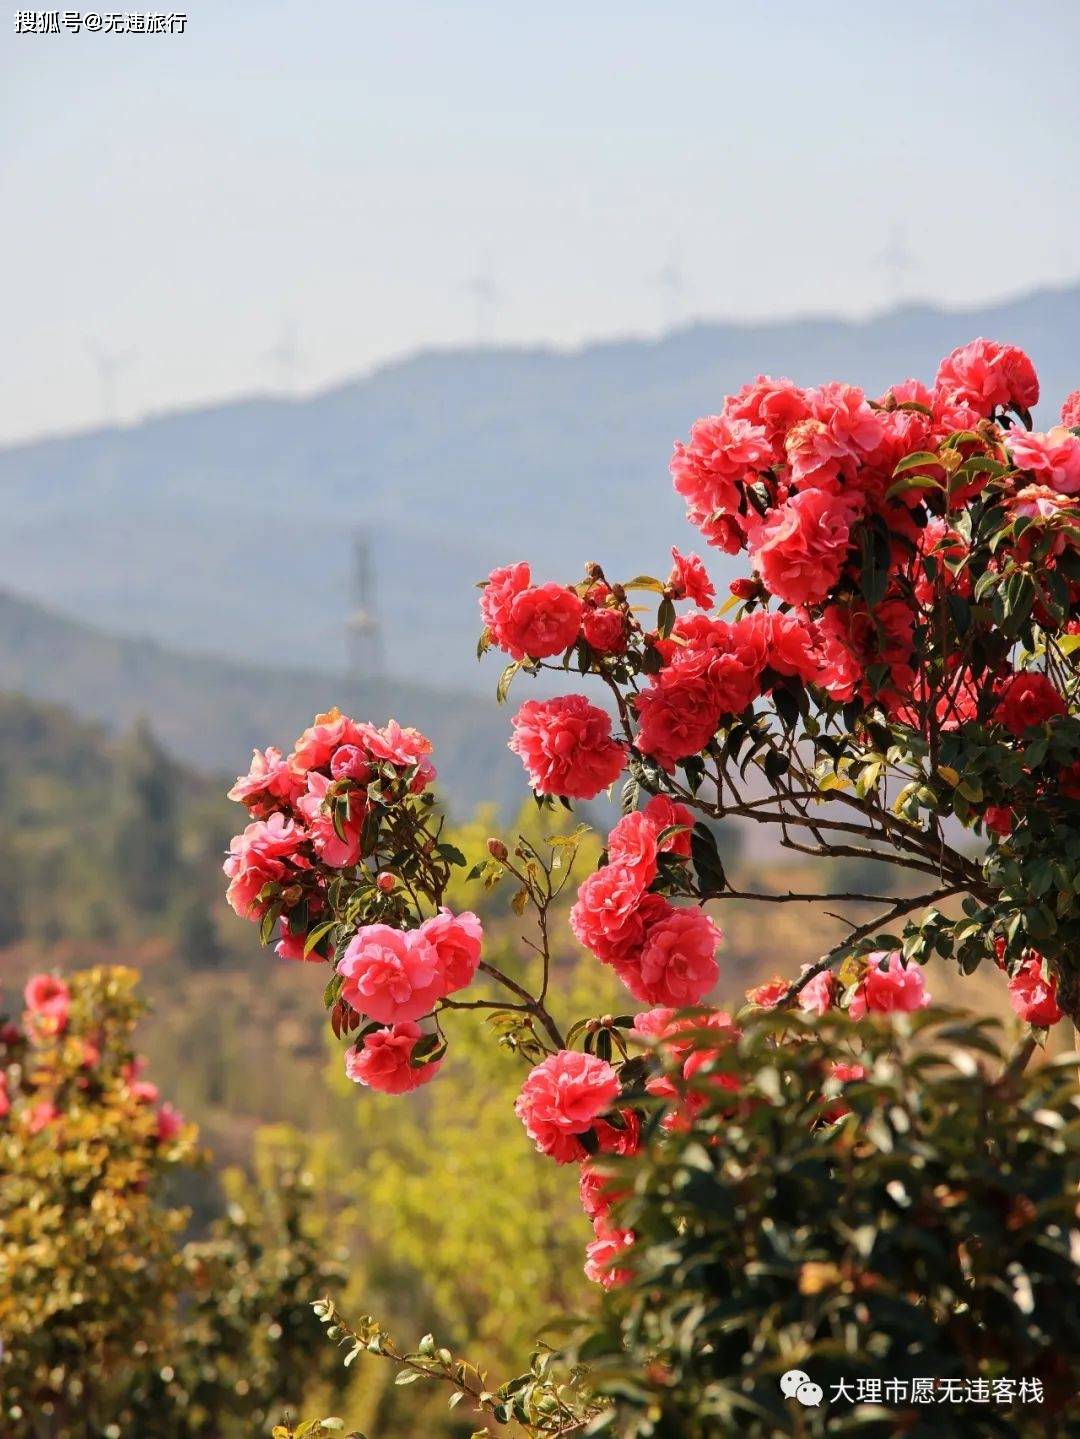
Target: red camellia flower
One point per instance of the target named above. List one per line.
(611, 913)
(800, 549)
(897, 986)
(604, 629)
(722, 455)
(382, 1060)
(390, 974)
(529, 620)
(1028, 698)
(48, 1000)
(603, 1254)
(562, 1098)
(665, 814)
(632, 846)
(689, 580)
(457, 940)
(1054, 458)
(677, 965)
(1033, 997)
(566, 747)
(261, 855)
(333, 848)
(271, 780)
(987, 376)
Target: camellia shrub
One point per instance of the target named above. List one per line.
(89, 1262)
(110, 1324)
(887, 1209)
(892, 682)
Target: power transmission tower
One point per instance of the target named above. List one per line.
(363, 631)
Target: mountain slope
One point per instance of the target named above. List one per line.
(211, 712)
(228, 528)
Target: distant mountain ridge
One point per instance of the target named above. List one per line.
(227, 529)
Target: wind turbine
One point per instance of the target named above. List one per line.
(284, 356)
(897, 262)
(486, 297)
(110, 364)
(670, 280)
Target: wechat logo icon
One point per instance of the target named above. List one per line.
(795, 1384)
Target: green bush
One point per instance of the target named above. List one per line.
(927, 1231)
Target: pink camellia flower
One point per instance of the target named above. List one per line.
(801, 548)
(1070, 411)
(498, 595)
(562, 1098)
(840, 431)
(908, 392)
(526, 619)
(169, 1123)
(270, 781)
(603, 1254)
(787, 644)
(41, 1116)
(291, 946)
(623, 1137)
(349, 761)
(689, 580)
(843, 1074)
(723, 454)
(597, 1192)
(262, 854)
(632, 845)
(390, 974)
(769, 994)
(543, 620)
(457, 940)
(404, 748)
(48, 1000)
(677, 965)
(774, 405)
(566, 747)
(604, 629)
(987, 376)
(1053, 458)
(5, 1100)
(1033, 997)
(383, 1060)
(665, 814)
(678, 714)
(896, 987)
(332, 848)
(141, 1090)
(818, 994)
(1028, 698)
(321, 738)
(610, 913)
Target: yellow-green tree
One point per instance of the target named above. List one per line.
(89, 1253)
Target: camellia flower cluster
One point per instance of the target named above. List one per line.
(896, 666)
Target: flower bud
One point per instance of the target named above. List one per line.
(745, 589)
(384, 882)
(497, 849)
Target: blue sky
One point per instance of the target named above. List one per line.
(348, 168)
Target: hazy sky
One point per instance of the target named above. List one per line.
(348, 168)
